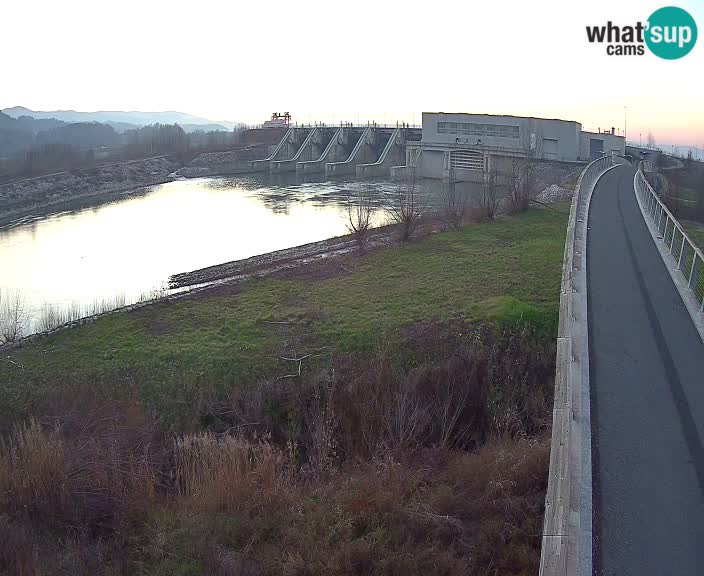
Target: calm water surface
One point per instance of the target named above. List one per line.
(129, 246)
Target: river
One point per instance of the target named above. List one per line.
(109, 252)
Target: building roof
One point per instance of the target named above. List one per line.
(603, 134)
(504, 116)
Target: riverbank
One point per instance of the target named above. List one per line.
(491, 272)
(297, 419)
(290, 258)
(22, 197)
(224, 163)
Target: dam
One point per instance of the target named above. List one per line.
(345, 150)
(457, 147)
(366, 151)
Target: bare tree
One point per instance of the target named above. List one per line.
(522, 183)
(407, 418)
(359, 216)
(488, 200)
(12, 317)
(406, 210)
(455, 204)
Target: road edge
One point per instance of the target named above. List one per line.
(567, 546)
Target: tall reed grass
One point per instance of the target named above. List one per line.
(52, 316)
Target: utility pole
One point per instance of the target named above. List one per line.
(625, 133)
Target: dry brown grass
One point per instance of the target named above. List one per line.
(438, 512)
(360, 467)
(88, 473)
(224, 472)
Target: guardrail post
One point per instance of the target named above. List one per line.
(694, 276)
(691, 273)
(679, 261)
(660, 218)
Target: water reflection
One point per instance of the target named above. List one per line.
(130, 245)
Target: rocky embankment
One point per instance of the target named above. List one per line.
(216, 163)
(280, 260)
(554, 193)
(34, 193)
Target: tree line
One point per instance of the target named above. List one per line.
(80, 145)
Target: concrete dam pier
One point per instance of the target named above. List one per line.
(364, 151)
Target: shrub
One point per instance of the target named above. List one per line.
(363, 464)
(406, 211)
(359, 216)
(221, 472)
(522, 375)
(91, 472)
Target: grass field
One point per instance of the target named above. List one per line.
(503, 272)
(684, 191)
(185, 438)
(695, 230)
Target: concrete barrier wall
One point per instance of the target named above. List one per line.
(431, 164)
(400, 172)
(263, 164)
(337, 150)
(393, 154)
(567, 528)
(360, 154)
(288, 146)
(311, 145)
(412, 158)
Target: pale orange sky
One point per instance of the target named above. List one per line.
(329, 61)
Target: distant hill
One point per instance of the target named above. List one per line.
(14, 136)
(120, 119)
(81, 134)
(27, 123)
(20, 134)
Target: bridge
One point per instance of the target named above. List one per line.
(626, 486)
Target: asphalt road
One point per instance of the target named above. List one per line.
(647, 386)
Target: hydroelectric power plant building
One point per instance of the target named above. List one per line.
(468, 144)
(463, 147)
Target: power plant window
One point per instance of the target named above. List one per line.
(470, 129)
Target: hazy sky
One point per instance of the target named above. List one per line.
(331, 61)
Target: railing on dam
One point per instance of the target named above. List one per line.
(567, 527)
(369, 123)
(687, 259)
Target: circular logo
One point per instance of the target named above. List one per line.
(670, 33)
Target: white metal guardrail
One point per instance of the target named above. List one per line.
(688, 258)
(567, 527)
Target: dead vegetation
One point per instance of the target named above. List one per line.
(522, 184)
(13, 318)
(455, 206)
(357, 465)
(406, 209)
(360, 210)
(489, 202)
